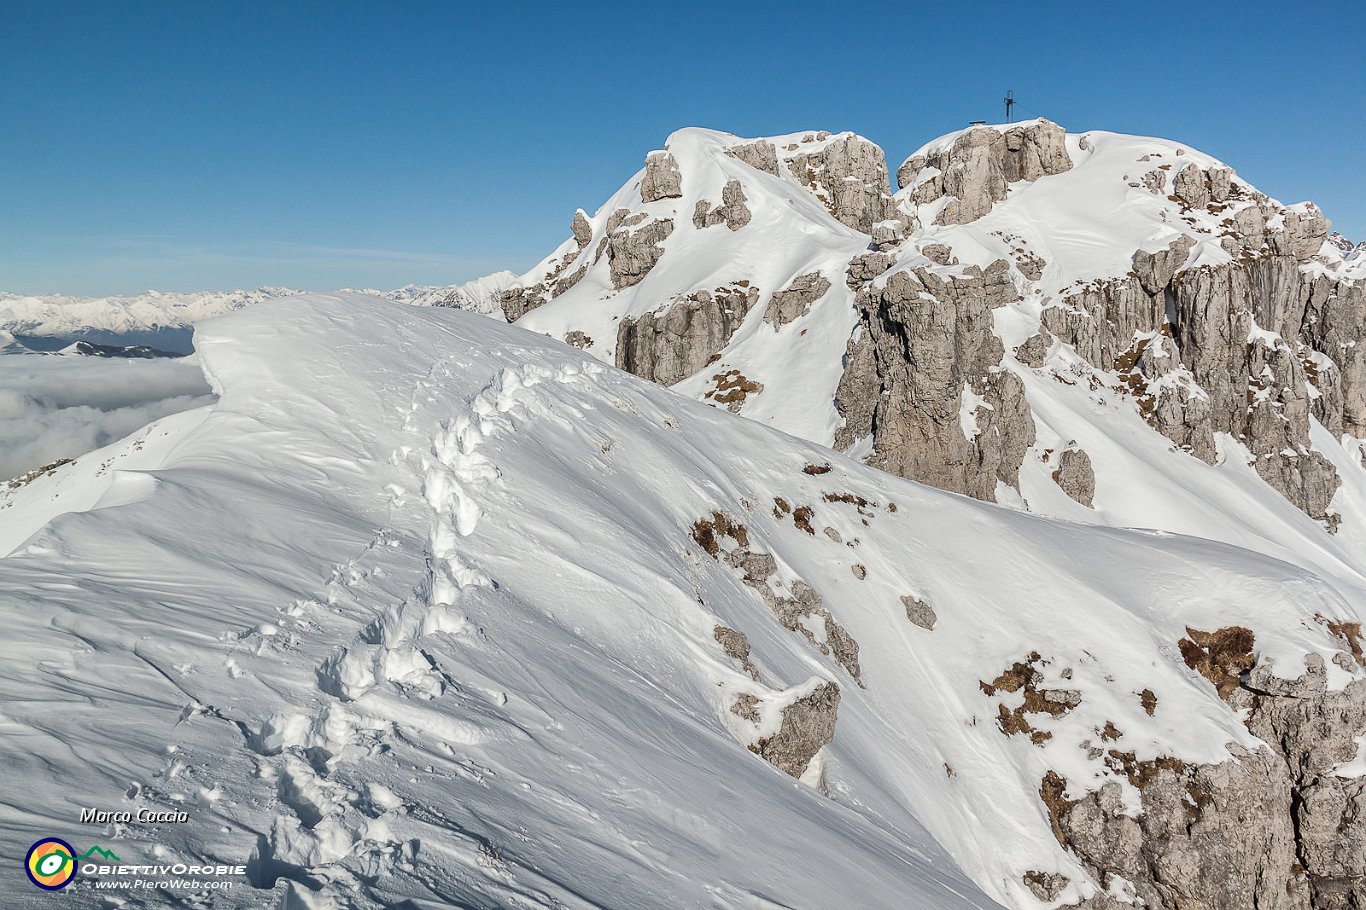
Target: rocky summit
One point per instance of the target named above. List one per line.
(1111, 329)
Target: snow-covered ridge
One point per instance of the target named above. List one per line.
(754, 273)
(522, 629)
(23, 314)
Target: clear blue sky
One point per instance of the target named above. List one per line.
(186, 145)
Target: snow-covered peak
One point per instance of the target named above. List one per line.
(722, 270)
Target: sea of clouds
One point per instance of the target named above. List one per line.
(62, 406)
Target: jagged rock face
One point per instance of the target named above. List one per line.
(732, 211)
(1195, 345)
(1101, 320)
(867, 266)
(1335, 323)
(1034, 351)
(581, 229)
(1206, 321)
(1075, 475)
(1312, 731)
(662, 180)
(1155, 270)
(632, 254)
(760, 154)
(518, 301)
(976, 170)
(888, 234)
(1277, 431)
(926, 341)
(808, 724)
(669, 347)
(796, 299)
(1211, 836)
(849, 175)
(1272, 827)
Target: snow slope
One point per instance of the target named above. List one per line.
(418, 611)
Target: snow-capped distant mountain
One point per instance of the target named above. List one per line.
(482, 295)
(483, 622)
(62, 316)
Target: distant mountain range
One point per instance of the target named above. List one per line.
(159, 317)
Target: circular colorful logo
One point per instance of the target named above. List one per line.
(51, 864)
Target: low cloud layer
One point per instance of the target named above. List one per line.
(54, 407)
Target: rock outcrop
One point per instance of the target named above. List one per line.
(662, 180)
(581, 229)
(919, 612)
(1213, 836)
(668, 347)
(1075, 475)
(808, 724)
(736, 645)
(759, 154)
(518, 301)
(1241, 347)
(976, 169)
(1271, 827)
(732, 211)
(632, 254)
(848, 174)
(923, 377)
(796, 605)
(795, 300)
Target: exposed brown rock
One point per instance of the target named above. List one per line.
(925, 338)
(668, 347)
(808, 724)
(795, 300)
(919, 612)
(1046, 886)
(1221, 656)
(736, 646)
(662, 180)
(1074, 474)
(731, 389)
(976, 170)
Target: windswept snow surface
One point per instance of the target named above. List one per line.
(413, 616)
